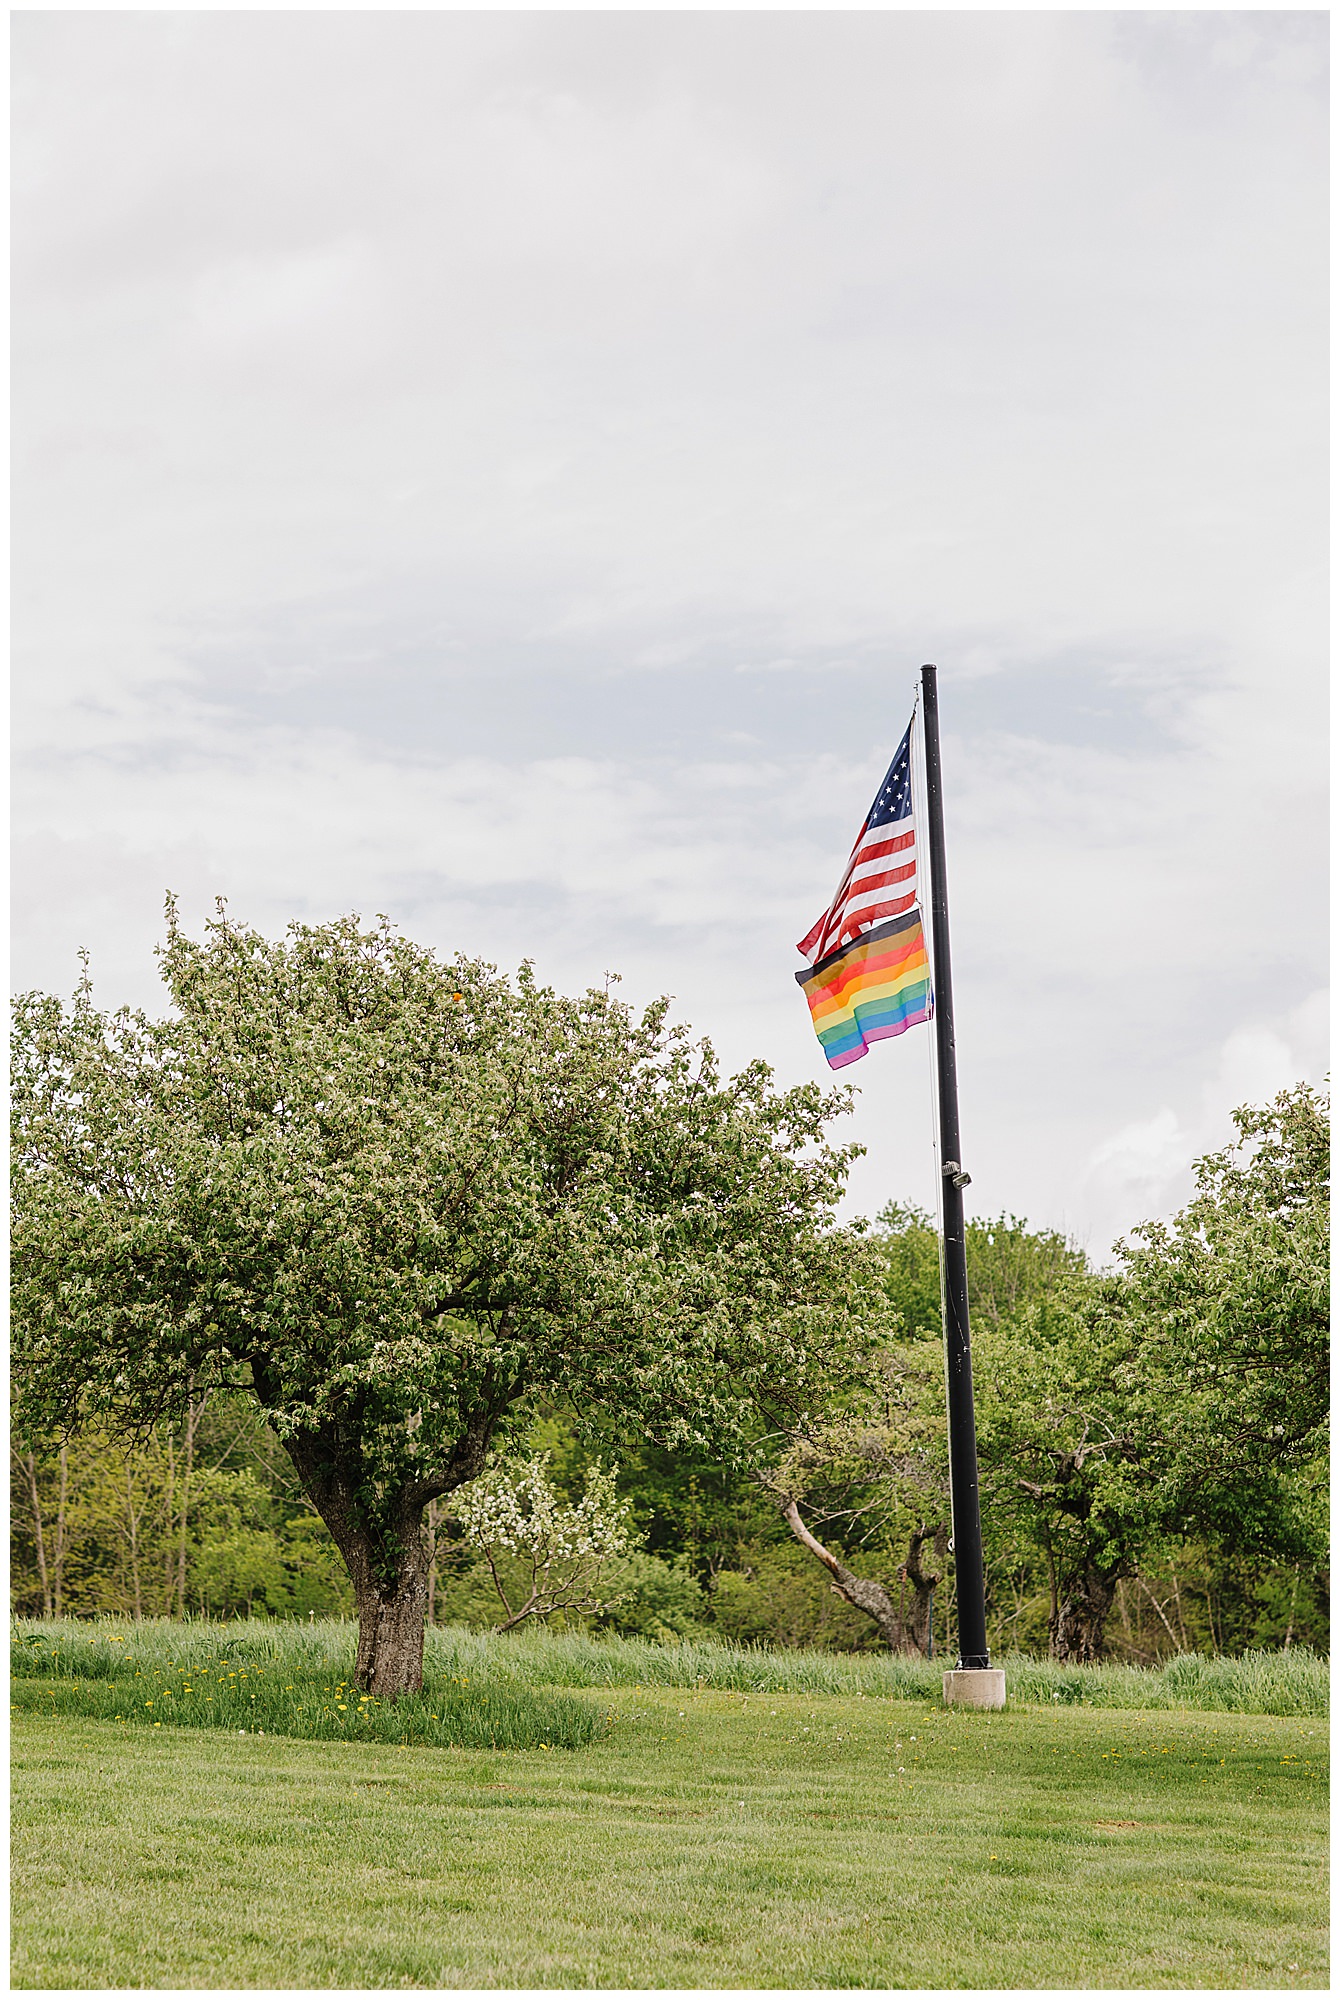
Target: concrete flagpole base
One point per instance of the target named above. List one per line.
(975, 1687)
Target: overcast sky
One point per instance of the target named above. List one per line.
(505, 470)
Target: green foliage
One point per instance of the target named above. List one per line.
(1010, 1266)
(215, 1529)
(407, 1203)
(1184, 1395)
(655, 1599)
(688, 1504)
(1232, 1305)
(1063, 1411)
(372, 1176)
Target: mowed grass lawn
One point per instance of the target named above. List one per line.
(707, 1839)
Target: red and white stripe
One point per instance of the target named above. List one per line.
(880, 882)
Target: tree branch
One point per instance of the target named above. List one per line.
(861, 1592)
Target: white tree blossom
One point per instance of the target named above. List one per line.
(564, 1547)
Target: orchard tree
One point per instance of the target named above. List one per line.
(1068, 1431)
(1233, 1303)
(1185, 1394)
(399, 1200)
(878, 1470)
(873, 1480)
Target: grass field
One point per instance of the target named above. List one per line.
(702, 1836)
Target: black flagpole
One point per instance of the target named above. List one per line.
(969, 1575)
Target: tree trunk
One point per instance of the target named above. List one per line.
(1083, 1602)
(389, 1572)
(391, 1618)
(194, 1412)
(386, 1555)
(35, 1492)
(380, 1534)
(58, 1564)
(918, 1639)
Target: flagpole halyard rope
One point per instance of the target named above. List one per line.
(919, 813)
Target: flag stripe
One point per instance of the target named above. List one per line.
(882, 877)
(895, 846)
(871, 989)
(874, 914)
(864, 855)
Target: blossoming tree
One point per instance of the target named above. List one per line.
(396, 1199)
(564, 1548)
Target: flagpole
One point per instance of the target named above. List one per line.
(976, 1683)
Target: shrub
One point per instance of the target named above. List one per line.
(656, 1599)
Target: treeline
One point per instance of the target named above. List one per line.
(203, 1518)
(1152, 1443)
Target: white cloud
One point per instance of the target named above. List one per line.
(1145, 1167)
(505, 470)
(1144, 1157)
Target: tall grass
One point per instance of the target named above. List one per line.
(1273, 1683)
(468, 1674)
(276, 1681)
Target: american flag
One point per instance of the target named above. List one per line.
(880, 880)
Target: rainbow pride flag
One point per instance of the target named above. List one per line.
(876, 986)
